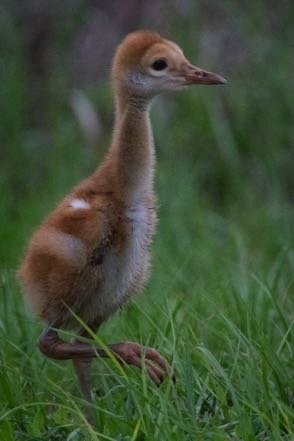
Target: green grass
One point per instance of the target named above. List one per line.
(218, 307)
(219, 304)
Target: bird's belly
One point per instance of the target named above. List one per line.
(124, 268)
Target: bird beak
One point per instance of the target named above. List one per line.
(195, 75)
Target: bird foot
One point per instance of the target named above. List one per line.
(139, 356)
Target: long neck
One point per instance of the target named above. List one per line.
(131, 155)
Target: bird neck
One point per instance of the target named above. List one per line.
(131, 154)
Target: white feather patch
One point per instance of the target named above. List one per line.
(80, 204)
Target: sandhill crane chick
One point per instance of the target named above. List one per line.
(91, 254)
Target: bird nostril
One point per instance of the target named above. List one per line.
(199, 74)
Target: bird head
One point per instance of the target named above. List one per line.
(145, 65)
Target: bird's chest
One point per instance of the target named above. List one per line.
(125, 263)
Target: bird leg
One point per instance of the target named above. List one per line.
(82, 366)
(53, 346)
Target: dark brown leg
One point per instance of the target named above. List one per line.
(53, 346)
(82, 366)
(83, 370)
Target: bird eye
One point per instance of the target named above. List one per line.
(159, 64)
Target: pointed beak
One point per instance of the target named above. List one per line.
(195, 75)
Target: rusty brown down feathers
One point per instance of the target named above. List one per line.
(91, 254)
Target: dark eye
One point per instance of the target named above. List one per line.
(159, 64)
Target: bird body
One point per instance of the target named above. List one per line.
(91, 254)
(64, 273)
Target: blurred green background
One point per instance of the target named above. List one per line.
(222, 277)
(230, 148)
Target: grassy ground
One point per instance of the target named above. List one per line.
(219, 304)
